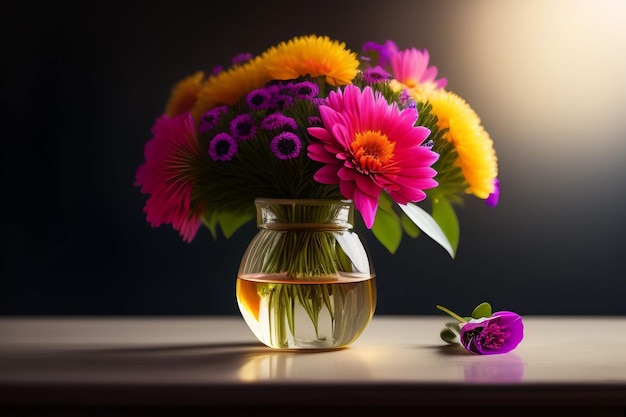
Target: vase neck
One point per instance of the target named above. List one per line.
(304, 214)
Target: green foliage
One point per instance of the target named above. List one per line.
(428, 225)
(445, 216)
(408, 226)
(482, 310)
(387, 227)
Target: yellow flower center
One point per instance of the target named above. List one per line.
(371, 150)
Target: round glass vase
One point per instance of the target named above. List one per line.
(306, 280)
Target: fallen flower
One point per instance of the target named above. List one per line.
(485, 333)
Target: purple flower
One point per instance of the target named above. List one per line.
(241, 58)
(375, 75)
(381, 53)
(500, 333)
(242, 127)
(259, 99)
(211, 119)
(314, 121)
(278, 120)
(222, 147)
(493, 198)
(305, 90)
(281, 101)
(287, 145)
(405, 100)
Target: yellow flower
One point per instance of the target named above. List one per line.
(312, 55)
(229, 86)
(184, 95)
(477, 157)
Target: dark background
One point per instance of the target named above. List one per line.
(83, 82)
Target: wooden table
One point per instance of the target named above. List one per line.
(211, 366)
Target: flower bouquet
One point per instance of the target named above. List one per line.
(309, 119)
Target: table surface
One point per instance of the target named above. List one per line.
(399, 361)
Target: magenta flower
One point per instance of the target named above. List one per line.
(500, 333)
(410, 67)
(167, 176)
(369, 146)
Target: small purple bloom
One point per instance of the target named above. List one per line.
(241, 58)
(405, 100)
(242, 127)
(211, 118)
(277, 121)
(381, 53)
(306, 90)
(493, 198)
(500, 333)
(314, 121)
(259, 99)
(222, 147)
(284, 89)
(375, 75)
(281, 101)
(287, 145)
(217, 69)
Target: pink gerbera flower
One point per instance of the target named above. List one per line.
(369, 146)
(167, 174)
(410, 67)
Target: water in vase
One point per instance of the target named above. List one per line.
(313, 313)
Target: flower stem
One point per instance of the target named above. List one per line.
(451, 313)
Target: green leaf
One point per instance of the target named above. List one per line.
(230, 221)
(482, 310)
(409, 227)
(451, 332)
(210, 221)
(428, 225)
(387, 228)
(454, 326)
(448, 336)
(446, 218)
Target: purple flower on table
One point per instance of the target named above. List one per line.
(500, 333)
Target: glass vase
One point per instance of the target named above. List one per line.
(306, 280)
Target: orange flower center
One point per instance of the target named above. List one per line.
(371, 150)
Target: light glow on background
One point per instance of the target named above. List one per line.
(553, 71)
